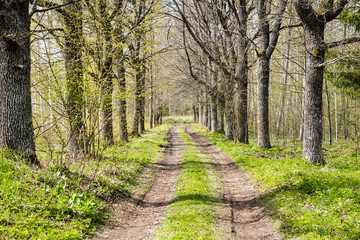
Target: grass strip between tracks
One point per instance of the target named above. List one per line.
(193, 213)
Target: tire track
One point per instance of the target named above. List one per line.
(242, 216)
(139, 217)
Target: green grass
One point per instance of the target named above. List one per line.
(69, 202)
(193, 213)
(310, 202)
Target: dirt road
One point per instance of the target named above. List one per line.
(241, 216)
(138, 217)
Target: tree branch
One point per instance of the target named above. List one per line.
(306, 11)
(335, 10)
(49, 6)
(342, 42)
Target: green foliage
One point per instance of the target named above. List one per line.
(311, 202)
(345, 74)
(44, 203)
(351, 15)
(192, 214)
(60, 202)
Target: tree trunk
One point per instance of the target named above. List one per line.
(16, 127)
(284, 87)
(263, 102)
(312, 143)
(329, 112)
(242, 135)
(213, 97)
(122, 97)
(314, 22)
(209, 115)
(194, 114)
(74, 77)
(221, 109)
(242, 78)
(107, 79)
(138, 92)
(151, 107)
(336, 119)
(206, 111)
(301, 130)
(345, 105)
(106, 111)
(213, 113)
(142, 101)
(268, 41)
(228, 122)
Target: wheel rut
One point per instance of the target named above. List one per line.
(139, 216)
(242, 216)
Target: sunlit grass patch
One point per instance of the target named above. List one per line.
(69, 202)
(311, 202)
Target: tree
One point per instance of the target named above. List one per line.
(314, 19)
(268, 40)
(72, 49)
(16, 127)
(121, 76)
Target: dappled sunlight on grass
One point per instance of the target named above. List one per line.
(70, 201)
(312, 202)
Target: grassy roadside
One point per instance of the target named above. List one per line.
(70, 202)
(194, 211)
(310, 202)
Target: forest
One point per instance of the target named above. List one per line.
(179, 119)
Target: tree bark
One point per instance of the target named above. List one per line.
(16, 127)
(209, 115)
(142, 100)
(228, 121)
(138, 92)
(284, 88)
(107, 79)
(312, 140)
(221, 109)
(213, 112)
(74, 77)
(315, 47)
(206, 111)
(263, 103)
(201, 113)
(213, 97)
(242, 78)
(194, 113)
(151, 107)
(336, 119)
(106, 99)
(122, 97)
(268, 41)
(329, 112)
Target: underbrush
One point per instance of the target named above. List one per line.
(310, 202)
(70, 201)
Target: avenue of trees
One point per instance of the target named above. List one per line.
(260, 66)
(76, 75)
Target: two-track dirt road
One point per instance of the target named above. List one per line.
(241, 216)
